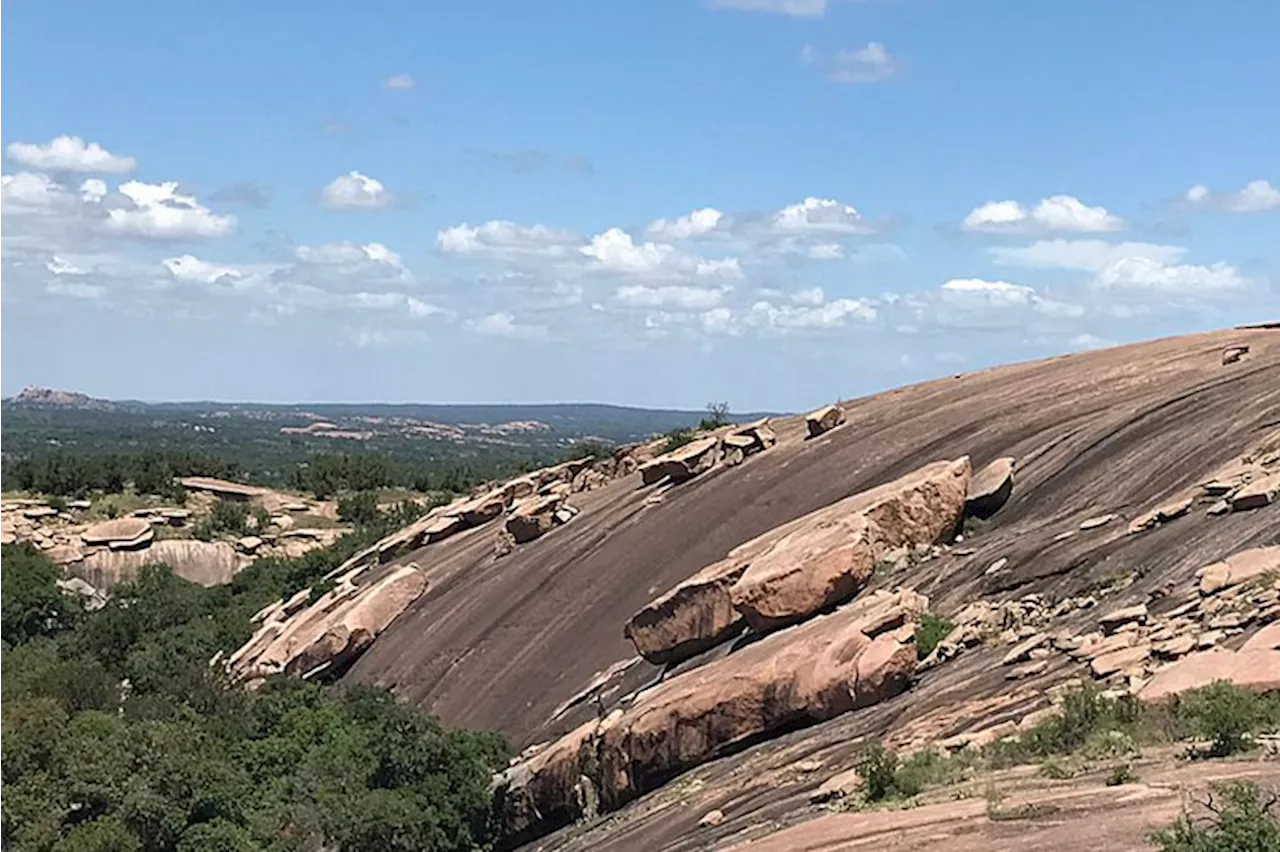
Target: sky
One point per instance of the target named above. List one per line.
(774, 203)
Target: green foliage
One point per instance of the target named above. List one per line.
(677, 438)
(594, 450)
(1241, 818)
(885, 777)
(74, 475)
(1226, 715)
(359, 508)
(1121, 774)
(227, 516)
(119, 735)
(33, 605)
(717, 416)
(932, 630)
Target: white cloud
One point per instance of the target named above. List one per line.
(506, 239)
(503, 324)
(678, 297)
(399, 81)
(1141, 274)
(615, 251)
(191, 268)
(159, 212)
(696, 224)
(31, 191)
(728, 268)
(1062, 213)
(869, 64)
(76, 289)
(826, 251)
(59, 266)
(395, 302)
(70, 154)
(355, 190)
(812, 296)
(820, 216)
(794, 8)
(992, 292)
(1256, 196)
(833, 314)
(1082, 255)
(1087, 341)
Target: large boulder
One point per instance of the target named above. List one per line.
(1240, 567)
(696, 615)
(121, 530)
(533, 518)
(990, 488)
(829, 557)
(205, 562)
(326, 635)
(823, 420)
(801, 676)
(1256, 668)
(683, 462)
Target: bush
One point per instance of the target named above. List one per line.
(884, 776)
(360, 508)
(1226, 715)
(932, 630)
(1241, 818)
(33, 603)
(227, 516)
(677, 438)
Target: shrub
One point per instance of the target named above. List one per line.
(885, 776)
(1241, 818)
(360, 508)
(932, 630)
(227, 516)
(1225, 714)
(677, 438)
(1122, 774)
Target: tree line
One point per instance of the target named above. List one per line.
(118, 734)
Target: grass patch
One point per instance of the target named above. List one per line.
(932, 630)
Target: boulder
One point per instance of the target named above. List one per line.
(534, 518)
(1254, 495)
(248, 544)
(325, 635)
(36, 513)
(838, 786)
(1098, 521)
(1232, 354)
(1240, 567)
(823, 420)
(517, 488)
(440, 528)
(64, 554)
(121, 529)
(693, 458)
(1268, 638)
(990, 488)
(1114, 620)
(139, 542)
(1255, 668)
(694, 616)
(482, 509)
(1120, 660)
(203, 562)
(826, 557)
(809, 673)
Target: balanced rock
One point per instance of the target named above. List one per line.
(828, 556)
(823, 420)
(534, 518)
(120, 530)
(990, 488)
(1254, 495)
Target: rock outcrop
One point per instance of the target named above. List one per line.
(310, 641)
(208, 563)
(126, 531)
(1255, 668)
(830, 557)
(990, 488)
(823, 420)
(802, 675)
(683, 463)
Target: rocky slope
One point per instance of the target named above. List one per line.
(745, 604)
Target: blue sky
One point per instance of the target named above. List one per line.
(770, 202)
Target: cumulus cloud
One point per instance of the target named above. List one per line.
(870, 64)
(1256, 196)
(355, 190)
(615, 251)
(1057, 213)
(825, 315)
(1146, 275)
(794, 8)
(820, 216)
(159, 211)
(728, 268)
(1081, 255)
(70, 154)
(504, 324)
(399, 82)
(699, 223)
(189, 268)
(677, 297)
(502, 239)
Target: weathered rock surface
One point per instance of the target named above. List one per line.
(683, 463)
(696, 615)
(823, 420)
(990, 488)
(1256, 494)
(329, 633)
(534, 518)
(119, 530)
(204, 562)
(829, 557)
(1238, 568)
(814, 671)
(1255, 668)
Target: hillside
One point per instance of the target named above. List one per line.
(528, 638)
